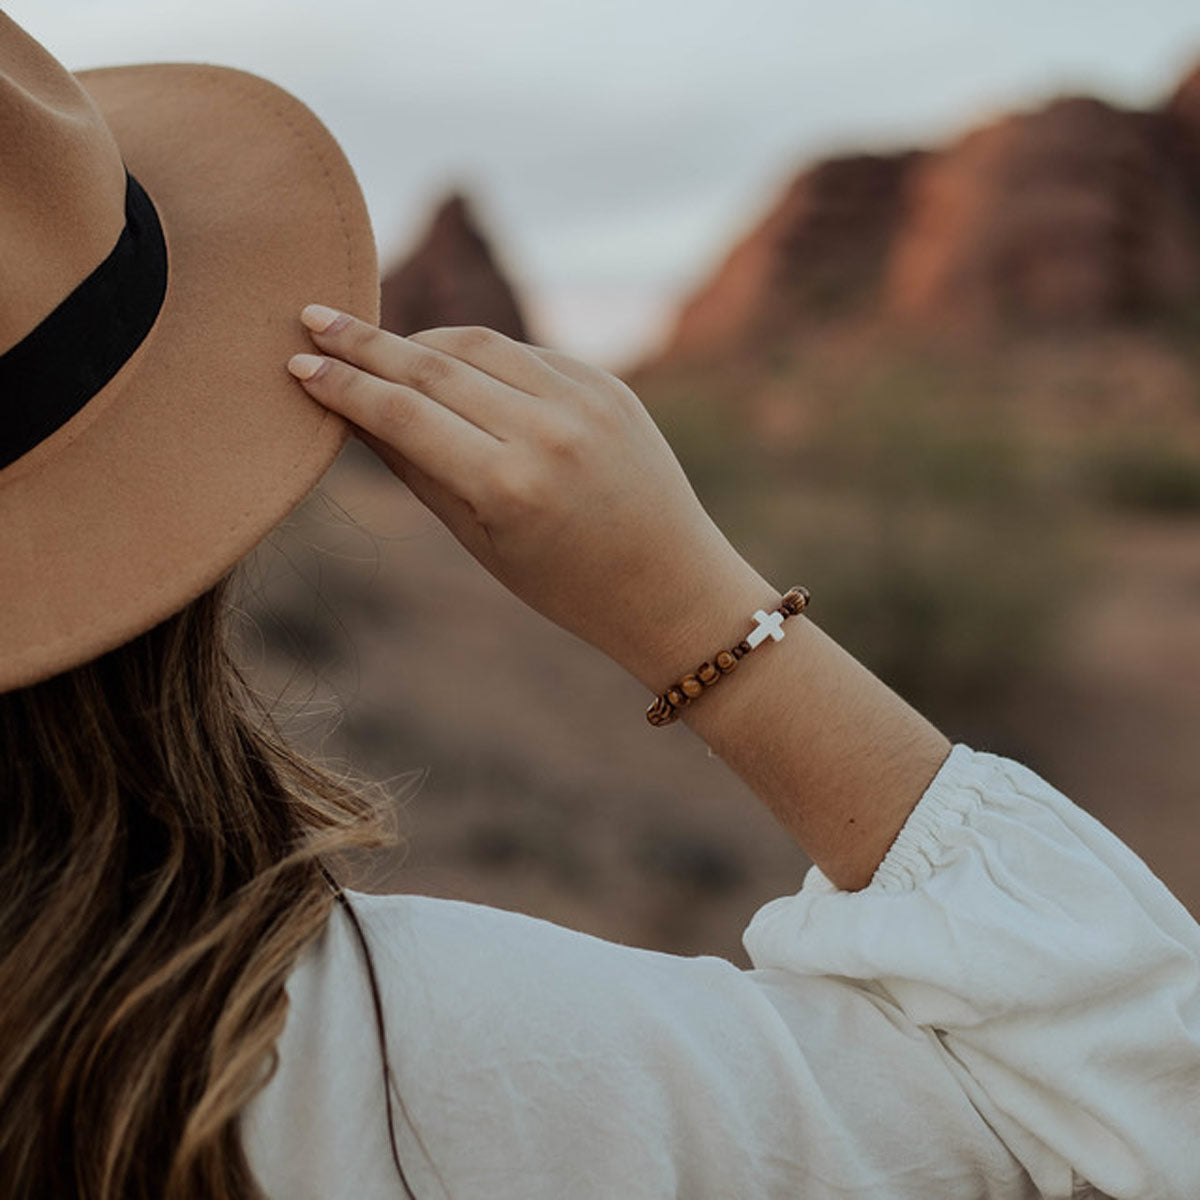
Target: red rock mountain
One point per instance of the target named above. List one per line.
(1183, 111)
(819, 252)
(451, 278)
(1079, 213)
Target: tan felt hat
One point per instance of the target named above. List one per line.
(160, 229)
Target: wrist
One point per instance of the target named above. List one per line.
(670, 704)
(715, 613)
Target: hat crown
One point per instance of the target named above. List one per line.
(62, 184)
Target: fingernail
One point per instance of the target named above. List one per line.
(305, 366)
(321, 319)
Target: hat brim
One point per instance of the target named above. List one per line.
(202, 442)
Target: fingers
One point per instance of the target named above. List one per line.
(512, 362)
(442, 444)
(455, 382)
(451, 401)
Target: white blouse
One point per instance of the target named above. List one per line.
(1010, 1009)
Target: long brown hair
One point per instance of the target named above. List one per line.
(161, 869)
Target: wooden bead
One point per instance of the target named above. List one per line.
(665, 708)
(795, 602)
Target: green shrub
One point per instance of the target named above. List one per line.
(1153, 476)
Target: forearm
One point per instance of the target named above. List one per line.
(837, 756)
(554, 476)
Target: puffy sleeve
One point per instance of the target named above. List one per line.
(1010, 1010)
(1058, 975)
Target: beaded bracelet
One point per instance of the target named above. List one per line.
(665, 708)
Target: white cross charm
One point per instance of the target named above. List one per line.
(769, 626)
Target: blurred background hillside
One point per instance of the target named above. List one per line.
(933, 352)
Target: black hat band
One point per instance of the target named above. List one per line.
(52, 372)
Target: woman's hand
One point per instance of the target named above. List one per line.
(552, 474)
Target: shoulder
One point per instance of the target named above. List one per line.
(523, 1051)
(501, 981)
(433, 937)
(531, 1060)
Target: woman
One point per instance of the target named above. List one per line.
(977, 992)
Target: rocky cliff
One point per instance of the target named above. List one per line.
(1183, 113)
(819, 252)
(451, 278)
(1077, 214)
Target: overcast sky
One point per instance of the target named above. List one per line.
(615, 148)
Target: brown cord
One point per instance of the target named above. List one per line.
(665, 708)
(380, 1025)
